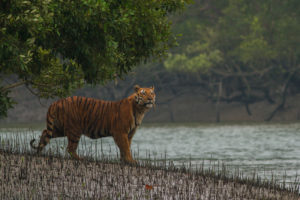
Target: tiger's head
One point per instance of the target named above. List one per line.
(144, 96)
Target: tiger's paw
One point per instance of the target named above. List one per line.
(74, 156)
(129, 162)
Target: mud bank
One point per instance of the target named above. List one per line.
(28, 176)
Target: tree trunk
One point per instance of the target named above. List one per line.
(283, 98)
(218, 117)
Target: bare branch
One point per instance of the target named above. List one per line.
(283, 96)
(17, 84)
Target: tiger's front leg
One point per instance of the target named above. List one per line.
(130, 136)
(124, 146)
(73, 141)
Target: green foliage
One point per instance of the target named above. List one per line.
(6, 103)
(252, 46)
(198, 59)
(55, 46)
(248, 32)
(56, 79)
(111, 36)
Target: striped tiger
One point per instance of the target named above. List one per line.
(94, 118)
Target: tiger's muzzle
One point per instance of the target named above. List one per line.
(149, 103)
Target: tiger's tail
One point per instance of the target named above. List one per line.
(45, 137)
(31, 144)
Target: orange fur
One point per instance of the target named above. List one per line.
(76, 116)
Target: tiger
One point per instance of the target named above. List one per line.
(76, 116)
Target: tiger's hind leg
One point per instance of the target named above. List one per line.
(47, 134)
(52, 131)
(72, 145)
(45, 139)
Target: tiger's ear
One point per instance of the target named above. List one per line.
(152, 87)
(136, 88)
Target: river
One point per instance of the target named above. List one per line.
(268, 150)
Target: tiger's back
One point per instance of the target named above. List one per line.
(91, 117)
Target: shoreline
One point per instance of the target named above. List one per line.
(25, 176)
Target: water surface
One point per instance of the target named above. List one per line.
(266, 149)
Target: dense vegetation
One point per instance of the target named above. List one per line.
(54, 46)
(241, 50)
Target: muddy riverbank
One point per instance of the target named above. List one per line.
(27, 176)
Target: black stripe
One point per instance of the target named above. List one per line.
(99, 133)
(91, 131)
(92, 127)
(49, 128)
(97, 117)
(71, 109)
(96, 114)
(61, 123)
(72, 98)
(56, 129)
(91, 124)
(85, 107)
(130, 126)
(63, 106)
(79, 99)
(50, 108)
(84, 123)
(91, 109)
(89, 102)
(48, 122)
(134, 114)
(73, 141)
(85, 100)
(101, 116)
